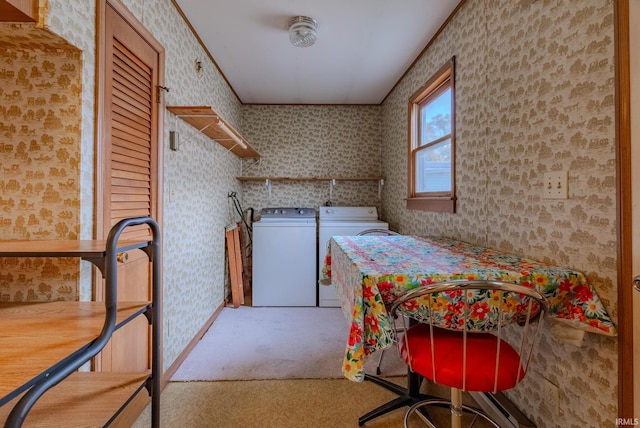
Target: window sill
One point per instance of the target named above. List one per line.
(446, 205)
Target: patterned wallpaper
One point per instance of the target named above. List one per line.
(199, 176)
(201, 173)
(40, 90)
(534, 93)
(74, 22)
(312, 141)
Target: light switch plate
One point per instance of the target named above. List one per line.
(555, 185)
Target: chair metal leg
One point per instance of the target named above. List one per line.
(394, 404)
(407, 396)
(456, 408)
(395, 388)
(419, 407)
(378, 371)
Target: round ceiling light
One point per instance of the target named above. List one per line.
(303, 31)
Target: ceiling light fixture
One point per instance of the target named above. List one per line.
(302, 31)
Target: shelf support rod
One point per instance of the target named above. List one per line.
(332, 184)
(173, 138)
(380, 185)
(256, 161)
(232, 147)
(177, 146)
(268, 184)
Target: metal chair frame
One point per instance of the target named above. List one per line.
(525, 350)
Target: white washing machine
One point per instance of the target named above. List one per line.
(284, 257)
(341, 221)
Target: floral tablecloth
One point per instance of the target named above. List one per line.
(370, 272)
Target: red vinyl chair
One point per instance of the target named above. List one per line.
(464, 348)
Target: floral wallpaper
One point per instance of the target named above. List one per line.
(200, 175)
(534, 93)
(40, 89)
(197, 179)
(312, 141)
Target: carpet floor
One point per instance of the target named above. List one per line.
(252, 343)
(302, 346)
(295, 403)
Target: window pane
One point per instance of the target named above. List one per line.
(435, 118)
(433, 168)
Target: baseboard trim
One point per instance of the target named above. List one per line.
(183, 355)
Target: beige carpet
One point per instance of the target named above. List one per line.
(297, 403)
(330, 401)
(250, 343)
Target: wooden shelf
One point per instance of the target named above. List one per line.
(309, 178)
(50, 332)
(43, 345)
(18, 10)
(206, 120)
(92, 251)
(83, 399)
(71, 248)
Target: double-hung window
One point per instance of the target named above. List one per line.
(432, 144)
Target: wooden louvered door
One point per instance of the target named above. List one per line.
(130, 150)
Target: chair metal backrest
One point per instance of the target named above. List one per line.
(379, 232)
(475, 306)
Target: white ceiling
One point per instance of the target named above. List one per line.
(363, 46)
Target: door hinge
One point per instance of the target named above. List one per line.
(159, 90)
